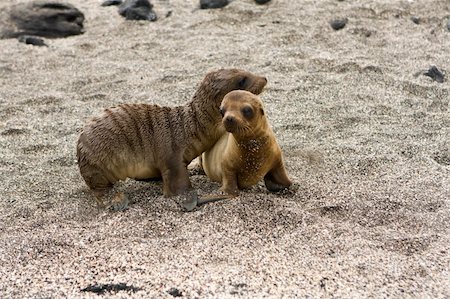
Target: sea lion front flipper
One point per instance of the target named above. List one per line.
(119, 202)
(277, 179)
(176, 179)
(191, 201)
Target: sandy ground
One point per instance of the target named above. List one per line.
(366, 138)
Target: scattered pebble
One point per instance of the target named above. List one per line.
(262, 1)
(338, 24)
(137, 10)
(435, 74)
(110, 288)
(174, 292)
(206, 4)
(111, 2)
(415, 19)
(32, 40)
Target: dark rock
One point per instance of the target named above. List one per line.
(338, 24)
(111, 2)
(48, 19)
(174, 292)
(32, 40)
(206, 4)
(448, 25)
(262, 1)
(137, 10)
(415, 19)
(435, 74)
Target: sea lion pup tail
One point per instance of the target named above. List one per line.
(142, 141)
(248, 152)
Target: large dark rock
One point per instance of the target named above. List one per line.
(137, 10)
(41, 18)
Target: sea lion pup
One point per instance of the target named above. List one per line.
(143, 141)
(248, 152)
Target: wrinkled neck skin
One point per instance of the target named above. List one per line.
(203, 121)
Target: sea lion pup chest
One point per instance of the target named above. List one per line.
(248, 152)
(144, 141)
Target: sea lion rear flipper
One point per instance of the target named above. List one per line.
(191, 203)
(213, 197)
(277, 179)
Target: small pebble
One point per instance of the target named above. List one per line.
(338, 24)
(262, 1)
(448, 25)
(111, 2)
(32, 40)
(435, 74)
(206, 4)
(415, 19)
(174, 292)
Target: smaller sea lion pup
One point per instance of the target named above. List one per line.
(248, 152)
(143, 141)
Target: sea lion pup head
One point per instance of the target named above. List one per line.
(243, 115)
(221, 82)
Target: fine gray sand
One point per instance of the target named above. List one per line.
(365, 135)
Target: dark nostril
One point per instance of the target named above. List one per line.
(265, 79)
(229, 119)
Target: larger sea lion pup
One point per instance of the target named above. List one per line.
(143, 141)
(249, 151)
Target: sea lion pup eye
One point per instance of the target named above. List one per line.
(241, 158)
(148, 142)
(247, 112)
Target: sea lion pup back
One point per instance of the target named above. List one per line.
(143, 141)
(248, 152)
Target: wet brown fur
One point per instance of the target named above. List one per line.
(248, 152)
(143, 141)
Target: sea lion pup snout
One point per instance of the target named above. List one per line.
(248, 152)
(142, 141)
